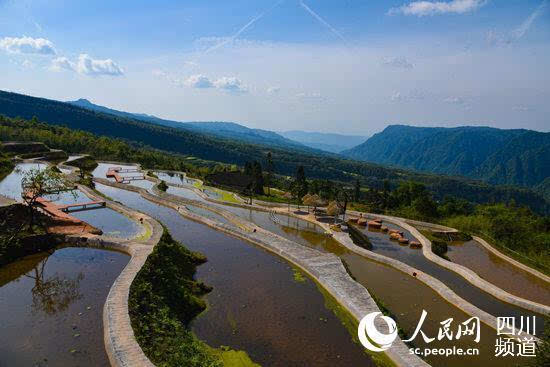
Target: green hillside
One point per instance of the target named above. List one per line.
(509, 157)
(206, 147)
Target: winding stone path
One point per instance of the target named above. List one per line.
(326, 269)
(465, 272)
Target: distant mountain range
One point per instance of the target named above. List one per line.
(213, 148)
(329, 142)
(510, 157)
(229, 130)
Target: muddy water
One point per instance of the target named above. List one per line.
(406, 297)
(11, 185)
(403, 295)
(500, 272)
(415, 258)
(52, 306)
(256, 304)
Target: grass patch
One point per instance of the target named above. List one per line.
(234, 358)
(351, 325)
(298, 276)
(439, 244)
(163, 300)
(359, 238)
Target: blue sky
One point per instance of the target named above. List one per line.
(351, 66)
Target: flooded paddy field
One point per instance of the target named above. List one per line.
(499, 272)
(415, 258)
(52, 307)
(10, 186)
(257, 304)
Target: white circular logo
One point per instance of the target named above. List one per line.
(367, 331)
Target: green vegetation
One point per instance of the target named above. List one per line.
(512, 157)
(85, 163)
(163, 300)
(6, 165)
(298, 276)
(17, 239)
(516, 231)
(542, 358)
(162, 186)
(359, 238)
(192, 146)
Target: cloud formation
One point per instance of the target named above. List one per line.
(86, 65)
(27, 45)
(422, 8)
(397, 62)
(230, 84)
(199, 81)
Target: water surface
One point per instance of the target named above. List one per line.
(256, 304)
(52, 307)
(499, 272)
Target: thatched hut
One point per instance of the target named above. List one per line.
(395, 236)
(395, 231)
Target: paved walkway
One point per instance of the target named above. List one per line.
(326, 269)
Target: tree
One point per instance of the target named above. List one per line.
(37, 183)
(269, 167)
(257, 178)
(342, 199)
(357, 191)
(300, 186)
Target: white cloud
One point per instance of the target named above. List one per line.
(94, 67)
(27, 45)
(230, 84)
(422, 8)
(86, 65)
(62, 63)
(397, 62)
(199, 81)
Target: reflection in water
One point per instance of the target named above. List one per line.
(256, 305)
(415, 258)
(55, 293)
(52, 307)
(499, 271)
(10, 186)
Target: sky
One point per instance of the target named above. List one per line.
(347, 66)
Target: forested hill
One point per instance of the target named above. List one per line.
(229, 130)
(207, 147)
(513, 157)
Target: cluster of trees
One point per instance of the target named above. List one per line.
(227, 151)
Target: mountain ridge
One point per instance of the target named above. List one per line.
(497, 156)
(223, 129)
